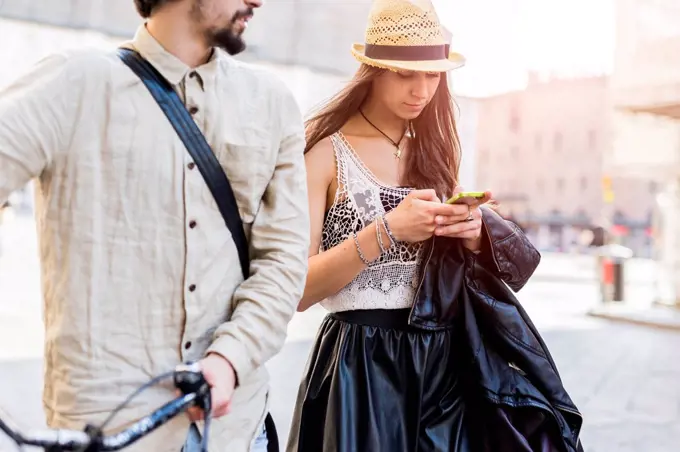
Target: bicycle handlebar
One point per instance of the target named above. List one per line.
(187, 378)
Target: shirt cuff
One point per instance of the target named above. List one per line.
(234, 352)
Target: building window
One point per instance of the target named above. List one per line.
(592, 140)
(514, 118)
(483, 155)
(582, 217)
(618, 216)
(557, 141)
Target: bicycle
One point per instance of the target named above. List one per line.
(187, 378)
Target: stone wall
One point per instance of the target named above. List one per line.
(312, 33)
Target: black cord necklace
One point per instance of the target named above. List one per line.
(397, 153)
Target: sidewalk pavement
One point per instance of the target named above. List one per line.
(647, 314)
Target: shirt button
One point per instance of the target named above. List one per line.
(193, 109)
(192, 224)
(191, 165)
(192, 287)
(187, 345)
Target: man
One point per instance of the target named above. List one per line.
(139, 271)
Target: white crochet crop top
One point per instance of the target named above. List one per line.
(389, 282)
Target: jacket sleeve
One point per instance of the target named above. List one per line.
(506, 250)
(279, 242)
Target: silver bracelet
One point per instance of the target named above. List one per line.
(361, 254)
(393, 241)
(378, 234)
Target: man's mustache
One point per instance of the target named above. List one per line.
(243, 14)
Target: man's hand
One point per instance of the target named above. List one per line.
(222, 380)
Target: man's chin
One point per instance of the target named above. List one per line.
(230, 42)
(235, 50)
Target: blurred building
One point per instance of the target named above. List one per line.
(467, 121)
(542, 150)
(646, 97)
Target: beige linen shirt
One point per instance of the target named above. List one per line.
(139, 271)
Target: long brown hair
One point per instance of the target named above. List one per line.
(434, 154)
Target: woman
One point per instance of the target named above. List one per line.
(381, 156)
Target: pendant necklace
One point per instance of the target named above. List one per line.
(397, 153)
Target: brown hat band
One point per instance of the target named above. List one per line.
(407, 53)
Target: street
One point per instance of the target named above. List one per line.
(624, 378)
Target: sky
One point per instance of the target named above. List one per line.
(503, 39)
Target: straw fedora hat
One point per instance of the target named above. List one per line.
(406, 35)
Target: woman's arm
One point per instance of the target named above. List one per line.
(332, 269)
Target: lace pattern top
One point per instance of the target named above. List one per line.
(390, 281)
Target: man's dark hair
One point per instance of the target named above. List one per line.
(146, 7)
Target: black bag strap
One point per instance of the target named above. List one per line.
(197, 146)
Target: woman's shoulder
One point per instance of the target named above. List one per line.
(323, 147)
(320, 159)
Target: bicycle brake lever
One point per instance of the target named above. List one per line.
(189, 379)
(96, 434)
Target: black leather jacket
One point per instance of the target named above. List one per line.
(516, 394)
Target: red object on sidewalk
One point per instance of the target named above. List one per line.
(620, 230)
(607, 271)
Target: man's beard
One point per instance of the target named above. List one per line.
(227, 38)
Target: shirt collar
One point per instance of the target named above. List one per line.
(170, 67)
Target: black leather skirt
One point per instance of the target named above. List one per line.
(375, 384)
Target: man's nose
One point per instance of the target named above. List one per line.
(254, 3)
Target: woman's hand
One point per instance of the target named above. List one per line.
(464, 224)
(414, 219)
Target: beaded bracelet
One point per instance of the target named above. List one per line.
(393, 241)
(361, 253)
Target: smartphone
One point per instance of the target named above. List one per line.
(470, 198)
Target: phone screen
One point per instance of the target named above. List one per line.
(469, 198)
